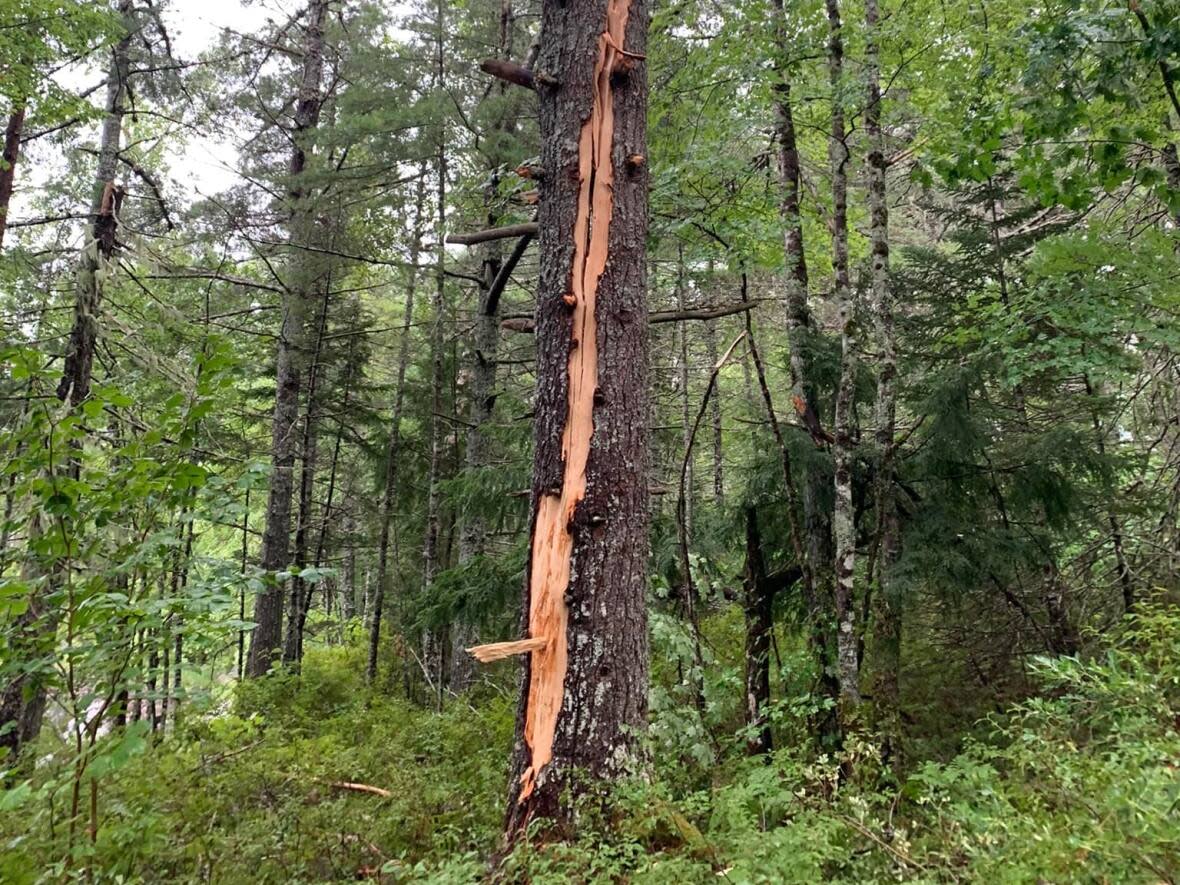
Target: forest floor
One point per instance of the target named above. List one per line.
(320, 779)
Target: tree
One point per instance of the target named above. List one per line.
(266, 639)
(586, 670)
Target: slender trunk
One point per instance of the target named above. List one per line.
(885, 613)
(241, 671)
(803, 340)
(483, 362)
(843, 514)
(1116, 530)
(827, 723)
(348, 609)
(715, 417)
(759, 611)
(584, 695)
(180, 584)
(433, 656)
(266, 638)
(376, 605)
(300, 589)
(12, 133)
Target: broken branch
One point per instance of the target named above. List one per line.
(497, 651)
(518, 75)
(524, 323)
(495, 233)
(362, 788)
(501, 280)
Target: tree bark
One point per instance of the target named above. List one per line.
(12, 133)
(803, 341)
(885, 613)
(433, 641)
(586, 673)
(759, 612)
(268, 606)
(843, 514)
(308, 455)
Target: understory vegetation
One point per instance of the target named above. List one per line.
(266, 783)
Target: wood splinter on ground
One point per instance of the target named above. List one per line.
(553, 540)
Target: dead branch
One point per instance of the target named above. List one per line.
(496, 233)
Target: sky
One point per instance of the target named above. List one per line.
(194, 26)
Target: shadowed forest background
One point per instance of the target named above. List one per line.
(855, 559)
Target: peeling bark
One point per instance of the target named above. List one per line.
(586, 685)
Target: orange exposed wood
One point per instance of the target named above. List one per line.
(496, 651)
(553, 541)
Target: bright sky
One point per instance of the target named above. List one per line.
(199, 164)
(194, 26)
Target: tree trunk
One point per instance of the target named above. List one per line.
(803, 341)
(393, 446)
(268, 606)
(473, 530)
(12, 133)
(759, 611)
(715, 417)
(885, 629)
(586, 672)
(843, 514)
(300, 589)
(433, 654)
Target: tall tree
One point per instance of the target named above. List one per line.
(885, 629)
(586, 670)
(843, 514)
(297, 297)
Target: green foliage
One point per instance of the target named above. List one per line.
(247, 795)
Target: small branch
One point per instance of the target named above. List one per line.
(495, 233)
(492, 302)
(518, 75)
(522, 323)
(675, 316)
(362, 788)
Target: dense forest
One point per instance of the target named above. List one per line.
(653, 441)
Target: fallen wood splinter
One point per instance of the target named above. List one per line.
(497, 651)
(362, 788)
